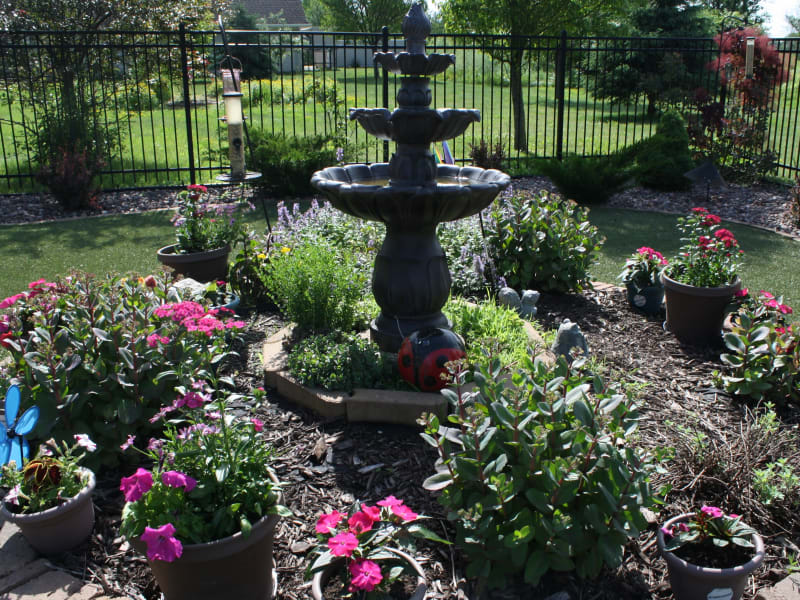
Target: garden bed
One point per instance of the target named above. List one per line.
(327, 464)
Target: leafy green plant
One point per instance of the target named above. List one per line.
(486, 325)
(200, 226)
(763, 355)
(709, 527)
(287, 163)
(540, 474)
(794, 194)
(486, 157)
(339, 361)
(776, 481)
(543, 242)
(588, 179)
(643, 268)
(316, 285)
(662, 159)
(471, 268)
(96, 354)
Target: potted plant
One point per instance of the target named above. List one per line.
(368, 549)
(50, 498)
(709, 554)
(205, 512)
(701, 281)
(204, 234)
(642, 278)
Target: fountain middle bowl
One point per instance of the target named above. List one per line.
(364, 191)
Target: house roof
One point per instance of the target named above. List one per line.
(290, 11)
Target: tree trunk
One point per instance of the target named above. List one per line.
(518, 99)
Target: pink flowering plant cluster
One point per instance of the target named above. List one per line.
(710, 255)
(643, 269)
(362, 539)
(49, 479)
(762, 358)
(201, 226)
(710, 526)
(103, 351)
(209, 475)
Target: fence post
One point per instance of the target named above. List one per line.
(187, 105)
(561, 66)
(385, 47)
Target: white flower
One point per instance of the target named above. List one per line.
(12, 497)
(84, 442)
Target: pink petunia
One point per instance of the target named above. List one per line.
(177, 479)
(328, 522)
(127, 443)
(343, 544)
(161, 543)
(135, 486)
(360, 523)
(82, 440)
(366, 574)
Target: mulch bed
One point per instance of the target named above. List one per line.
(328, 464)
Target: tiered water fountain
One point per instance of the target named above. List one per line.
(411, 194)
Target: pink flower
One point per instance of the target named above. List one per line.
(733, 516)
(683, 527)
(721, 234)
(343, 544)
(765, 295)
(742, 293)
(135, 486)
(11, 300)
(712, 511)
(177, 479)
(82, 440)
(710, 220)
(780, 330)
(154, 340)
(405, 513)
(373, 512)
(258, 424)
(194, 399)
(667, 531)
(771, 303)
(127, 443)
(161, 543)
(786, 310)
(328, 522)
(366, 574)
(698, 209)
(360, 523)
(390, 501)
(12, 497)
(197, 188)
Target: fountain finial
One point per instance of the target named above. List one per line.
(416, 28)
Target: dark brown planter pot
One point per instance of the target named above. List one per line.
(321, 578)
(695, 314)
(201, 266)
(60, 528)
(233, 567)
(692, 582)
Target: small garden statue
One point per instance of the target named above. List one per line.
(569, 336)
(528, 308)
(509, 298)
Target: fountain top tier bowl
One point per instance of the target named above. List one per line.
(365, 191)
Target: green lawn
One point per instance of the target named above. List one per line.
(128, 243)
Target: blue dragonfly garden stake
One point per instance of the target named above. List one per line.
(12, 445)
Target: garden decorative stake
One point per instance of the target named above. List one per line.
(411, 194)
(13, 447)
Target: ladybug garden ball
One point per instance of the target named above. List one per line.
(423, 354)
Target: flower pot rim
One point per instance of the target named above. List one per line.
(695, 290)
(710, 572)
(419, 593)
(169, 250)
(43, 515)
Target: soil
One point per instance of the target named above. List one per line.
(328, 464)
(714, 557)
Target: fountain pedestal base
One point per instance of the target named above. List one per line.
(389, 332)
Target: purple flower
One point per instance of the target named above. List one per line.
(177, 479)
(712, 511)
(161, 543)
(127, 443)
(135, 486)
(84, 442)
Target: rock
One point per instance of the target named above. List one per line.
(509, 298)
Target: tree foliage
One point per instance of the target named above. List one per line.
(366, 16)
(750, 11)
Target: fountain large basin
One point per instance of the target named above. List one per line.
(364, 191)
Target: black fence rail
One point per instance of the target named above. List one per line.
(154, 99)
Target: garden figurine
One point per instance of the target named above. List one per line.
(569, 336)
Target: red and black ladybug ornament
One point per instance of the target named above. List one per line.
(423, 354)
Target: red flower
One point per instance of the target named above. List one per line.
(699, 209)
(710, 220)
(360, 522)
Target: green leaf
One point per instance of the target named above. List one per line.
(423, 532)
(536, 566)
(438, 481)
(221, 472)
(583, 412)
(246, 527)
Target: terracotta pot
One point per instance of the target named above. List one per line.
(321, 578)
(60, 528)
(647, 300)
(201, 266)
(232, 567)
(693, 582)
(695, 314)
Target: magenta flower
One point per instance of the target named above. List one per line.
(177, 479)
(742, 293)
(712, 511)
(343, 544)
(366, 574)
(258, 424)
(373, 512)
(328, 522)
(12, 497)
(667, 531)
(390, 501)
(127, 443)
(135, 486)
(785, 309)
(360, 522)
(84, 442)
(405, 513)
(195, 399)
(153, 340)
(11, 300)
(161, 543)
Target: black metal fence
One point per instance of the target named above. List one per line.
(157, 96)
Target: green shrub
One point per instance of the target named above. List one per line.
(540, 475)
(662, 159)
(485, 157)
(487, 325)
(316, 286)
(339, 361)
(471, 268)
(542, 242)
(98, 355)
(286, 163)
(588, 179)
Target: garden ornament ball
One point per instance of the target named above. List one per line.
(424, 354)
